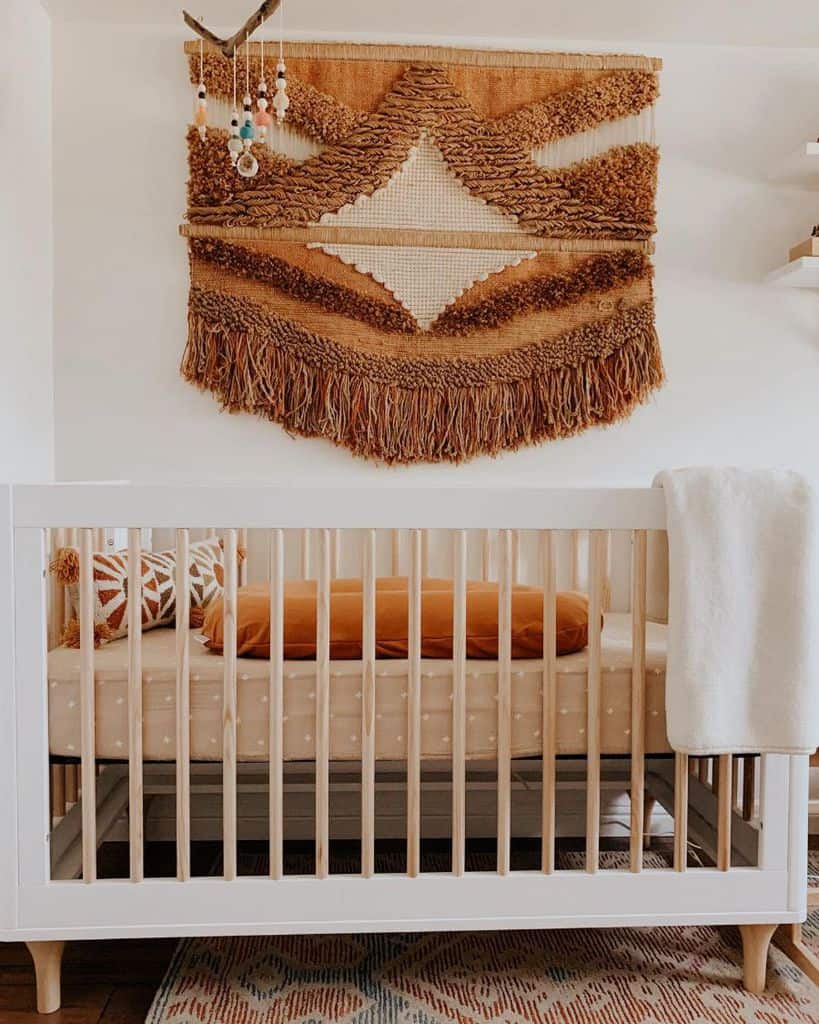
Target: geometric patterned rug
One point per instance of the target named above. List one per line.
(616, 976)
(657, 975)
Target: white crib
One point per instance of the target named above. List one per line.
(747, 816)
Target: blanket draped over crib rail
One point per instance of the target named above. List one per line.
(444, 252)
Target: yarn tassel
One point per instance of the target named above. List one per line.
(257, 372)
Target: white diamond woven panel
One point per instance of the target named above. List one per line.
(423, 194)
(425, 280)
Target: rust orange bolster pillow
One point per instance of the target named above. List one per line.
(253, 619)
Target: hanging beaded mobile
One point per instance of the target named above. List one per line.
(235, 145)
(200, 113)
(281, 101)
(263, 119)
(247, 165)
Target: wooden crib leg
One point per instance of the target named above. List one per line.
(756, 938)
(47, 957)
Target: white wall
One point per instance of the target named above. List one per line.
(26, 383)
(742, 358)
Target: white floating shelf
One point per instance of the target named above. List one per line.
(801, 273)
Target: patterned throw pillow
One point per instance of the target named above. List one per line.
(110, 571)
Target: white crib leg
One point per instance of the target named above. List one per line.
(47, 957)
(756, 938)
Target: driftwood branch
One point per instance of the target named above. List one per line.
(228, 46)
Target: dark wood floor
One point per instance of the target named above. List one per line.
(103, 982)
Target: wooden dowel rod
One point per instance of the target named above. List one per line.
(88, 706)
(229, 813)
(135, 798)
(575, 559)
(748, 787)
(335, 553)
(57, 791)
(275, 699)
(305, 555)
(414, 706)
(515, 556)
(486, 555)
(724, 813)
(638, 695)
(242, 541)
(71, 793)
(395, 552)
(596, 569)
(504, 702)
(368, 704)
(548, 725)
(681, 772)
(183, 707)
(323, 707)
(459, 558)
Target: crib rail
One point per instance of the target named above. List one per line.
(549, 538)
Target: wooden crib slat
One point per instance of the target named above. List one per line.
(135, 798)
(414, 705)
(275, 700)
(681, 772)
(323, 707)
(548, 724)
(459, 558)
(229, 833)
(425, 542)
(368, 705)
(597, 541)
(504, 701)
(183, 707)
(486, 555)
(638, 695)
(242, 541)
(575, 559)
(395, 552)
(71, 794)
(304, 567)
(57, 791)
(724, 812)
(335, 553)
(56, 601)
(88, 767)
(515, 556)
(748, 786)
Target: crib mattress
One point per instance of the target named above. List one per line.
(206, 681)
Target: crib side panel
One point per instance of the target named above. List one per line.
(549, 552)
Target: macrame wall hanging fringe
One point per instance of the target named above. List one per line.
(443, 253)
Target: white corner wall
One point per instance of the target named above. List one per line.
(26, 379)
(742, 358)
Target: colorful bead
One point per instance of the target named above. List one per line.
(235, 144)
(281, 100)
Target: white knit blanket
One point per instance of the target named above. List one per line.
(743, 611)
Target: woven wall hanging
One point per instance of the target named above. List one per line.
(441, 253)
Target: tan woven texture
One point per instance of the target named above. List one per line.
(431, 282)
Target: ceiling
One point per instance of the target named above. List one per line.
(784, 23)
